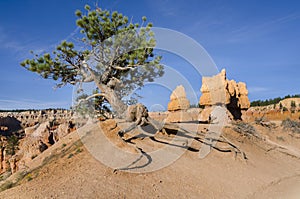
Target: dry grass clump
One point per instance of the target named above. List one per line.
(245, 129)
(291, 125)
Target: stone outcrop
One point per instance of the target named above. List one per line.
(39, 138)
(178, 107)
(178, 100)
(218, 90)
(30, 147)
(63, 130)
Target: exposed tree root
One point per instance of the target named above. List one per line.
(236, 149)
(131, 165)
(137, 117)
(171, 128)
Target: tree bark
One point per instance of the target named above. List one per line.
(116, 103)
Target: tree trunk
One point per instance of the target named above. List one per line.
(116, 103)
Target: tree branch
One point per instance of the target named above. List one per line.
(87, 79)
(93, 76)
(93, 96)
(128, 67)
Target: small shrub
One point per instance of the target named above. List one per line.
(9, 184)
(6, 185)
(259, 120)
(264, 122)
(12, 145)
(293, 104)
(20, 176)
(28, 177)
(79, 150)
(245, 129)
(280, 105)
(291, 125)
(5, 175)
(280, 138)
(70, 155)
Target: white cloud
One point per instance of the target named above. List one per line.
(257, 89)
(259, 29)
(7, 43)
(22, 48)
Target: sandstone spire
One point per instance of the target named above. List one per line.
(178, 100)
(219, 90)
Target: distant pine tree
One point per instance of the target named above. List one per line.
(273, 101)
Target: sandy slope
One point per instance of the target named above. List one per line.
(266, 174)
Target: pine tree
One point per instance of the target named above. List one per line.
(114, 53)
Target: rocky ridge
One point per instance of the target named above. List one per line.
(218, 90)
(25, 135)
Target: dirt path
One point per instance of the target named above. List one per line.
(293, 151)
(74, 173)
(287, 187)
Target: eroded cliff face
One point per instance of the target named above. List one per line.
(29, 118)
(25, 135)
(287, 108)
(218, 90)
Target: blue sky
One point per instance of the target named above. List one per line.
(256, 41)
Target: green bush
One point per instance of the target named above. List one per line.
(293, 104)
(12, 145)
